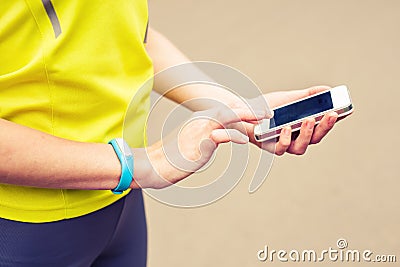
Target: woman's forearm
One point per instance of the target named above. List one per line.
(32, 158)
(165, 55)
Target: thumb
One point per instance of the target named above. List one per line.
(228, 135)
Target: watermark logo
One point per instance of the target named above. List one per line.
(340, 253)
(341, 243)
(165, 122)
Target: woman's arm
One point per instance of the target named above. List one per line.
(165, 55)
(30, 157)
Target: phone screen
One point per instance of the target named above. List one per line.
(301, 109)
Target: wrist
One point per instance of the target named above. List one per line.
(144, 172)
(160, 172)
(112, 169)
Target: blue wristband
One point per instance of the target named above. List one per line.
(125, 157)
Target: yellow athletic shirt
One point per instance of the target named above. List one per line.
(70, 68)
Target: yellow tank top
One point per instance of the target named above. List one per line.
(70, 69)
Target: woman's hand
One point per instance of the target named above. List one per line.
(309, 134)
(178, 156)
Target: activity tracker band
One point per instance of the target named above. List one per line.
(125, 157)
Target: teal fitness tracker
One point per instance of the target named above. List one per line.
(125, 156)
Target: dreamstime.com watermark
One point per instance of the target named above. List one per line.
(341, 253)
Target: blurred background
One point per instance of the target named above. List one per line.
(345, 187)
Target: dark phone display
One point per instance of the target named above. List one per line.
(301, 109)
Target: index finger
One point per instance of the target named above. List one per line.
(227, 115)
(298, 94)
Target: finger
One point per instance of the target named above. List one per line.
(259, 103)
(226, 116)
(280, 98)
(246, 114)
(298, 94)
(284, 141)
(326, 124)
(269, 145)
(299, 146)
(317, 89)
(228, 135)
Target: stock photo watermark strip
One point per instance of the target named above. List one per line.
(340, 253)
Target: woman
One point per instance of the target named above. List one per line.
(69, 70)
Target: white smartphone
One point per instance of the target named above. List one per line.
(316, 106)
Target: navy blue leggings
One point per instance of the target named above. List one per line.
(113, 236)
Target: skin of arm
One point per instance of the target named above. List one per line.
(29, 157)
(32, 158)
(165, 55)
